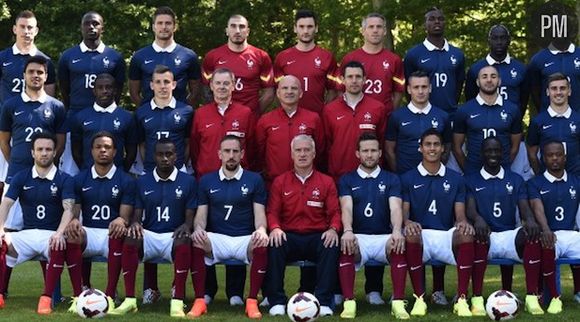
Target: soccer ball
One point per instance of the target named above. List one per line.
(502, 305)
(92, 304)
(303, 307)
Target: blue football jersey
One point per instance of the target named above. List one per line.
(231, 202)
(164, 202)
(432, 197)
(558, 197)
(371, 213)
(41, 199)
(101, 198)
(497, 198)
(182, 61)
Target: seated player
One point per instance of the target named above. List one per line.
(165, 204)
(105, 195)
(47, 198)
(230, 223)
(435, 224)
(493, 196)
(372, 217)
(304, 220)
(554, 201)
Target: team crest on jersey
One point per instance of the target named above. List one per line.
(235, 124)
(177, 118)
(572, 127)
(53, 189)
(302, 128)
(244, 190)
(509, 187)
(382, 187)
(572, 192)
(177, 61)
(503, 115)
(178, 192)
(386, 65)
(106, 62)
(116, 123)
(514, 73)
(368, 117)
(47, 113)
(453, 60)
(434, 123)
(317, 62)
(115, 191)
(577, 63)
(316, 193)
(446, 186)
(250, 63)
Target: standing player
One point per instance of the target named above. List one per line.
(47, 197)
(216, 119)
(315, 67)
(486, 115)
(493, 195)
(442, 61)
(105, 195)
(104, 115)
(182, 61)
(304, 220)
(347, 117)
(230, 223)
(558, 123)
(407, 124)
(78, 68)
(164, 208)
(555, 203)
(385, 80)
(372, 218)
(252, 66)
(276, 129)
(435, 223)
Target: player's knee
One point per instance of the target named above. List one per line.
(181, 241)
(131, 241)
(415, 239)
(461, 238)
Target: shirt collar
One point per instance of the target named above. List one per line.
(303, 180)
(109, 109)
(355, 103)
(171, 177)
(41, 99)
(100, 48)
(553, 113)
(49, 176)
(291, 113)
(551, 178)
(491, 61)
(109, 174)
(172, 104)
(431, 47)
(365, 175)
(236, 176)
(424, 172)
(33, 51)
(168, 49)
(486, 175)
(556, 51)
(498, 101)
(416, 110)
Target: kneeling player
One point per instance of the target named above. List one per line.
(164, 207)
(370, 199)
(554, 200)
(232, 210)
(47, 198)
(435, 222)
(492, 197)
(106, 196)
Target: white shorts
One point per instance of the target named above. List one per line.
(14, 221)
(97, 242)
(226, 247)
(503, 245)
(137, 167)
(438, 245)
(567, 244)
(521, 165)
(29, 244)
(67, 163)
(3, 168)
(372, 247)
(157, 245)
